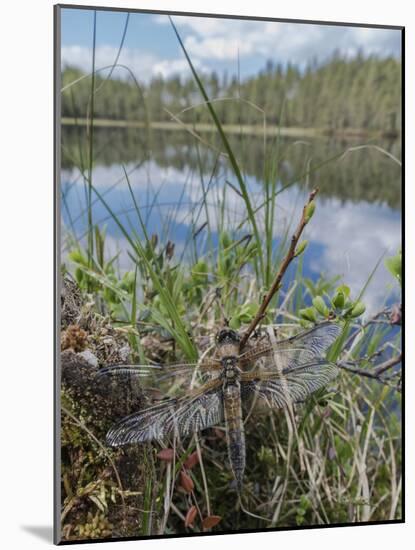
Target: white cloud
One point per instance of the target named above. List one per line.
(143, 64)
(221, 39)
(170, 67)
(210, 40)
(217, 47)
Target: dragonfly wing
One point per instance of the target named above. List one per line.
(187, 372)
(302, 349)
(293, 387)
(182, 416)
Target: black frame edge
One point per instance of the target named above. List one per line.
(232, 16)
(403, 290)
(56, 273)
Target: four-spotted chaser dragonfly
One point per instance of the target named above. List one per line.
(282, 373)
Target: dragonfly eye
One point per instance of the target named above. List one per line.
(227, 335)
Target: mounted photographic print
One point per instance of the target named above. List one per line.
(228, 274)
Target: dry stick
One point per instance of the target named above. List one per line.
(395, 501)
(292, 429)
(168, 495)
(283, 268)
(202, 469)
(376, 373)
(386, 365)
(363, 487)
(361, 328)
(394, 493)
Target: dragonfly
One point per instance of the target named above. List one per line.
(216, 389)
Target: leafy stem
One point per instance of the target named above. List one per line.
(291, 254)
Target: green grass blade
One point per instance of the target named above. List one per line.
(229, 151)
(174, 324)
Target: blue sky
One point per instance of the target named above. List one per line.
(151, 48)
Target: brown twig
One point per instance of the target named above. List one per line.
(283, 268)
(376, 373)
(386, 365)
(373, 320)
(360, 372)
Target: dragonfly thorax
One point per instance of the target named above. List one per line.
(231, 371)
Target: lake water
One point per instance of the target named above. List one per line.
(358, 216)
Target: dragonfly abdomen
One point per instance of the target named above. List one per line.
(235, 430)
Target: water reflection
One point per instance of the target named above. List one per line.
(358, 208)
(364, 174)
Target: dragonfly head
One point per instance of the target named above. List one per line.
(227, 336)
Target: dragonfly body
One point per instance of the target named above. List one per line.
(279, 374)
(235, 429)
(228, 350)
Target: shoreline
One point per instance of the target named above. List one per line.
(249, 130)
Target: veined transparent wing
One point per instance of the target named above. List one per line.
(194, 412)
(298, 350)
(291, 386)
(185, 374)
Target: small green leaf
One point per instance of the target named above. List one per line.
(358, 309)
(308, 314)
(128, 281)
(200, 272)
(304, 502)
(320, 306)
(344, 289)
(243, 314)
(249, 309)
(309, 211)
(235, 323)
(299, 519)
(394, 265)
(79, 275)
(225, 240)
(300, 248)
(77, 257)
(338, 300)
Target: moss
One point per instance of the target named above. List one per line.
(92, 502)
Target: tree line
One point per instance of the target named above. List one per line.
(343, 93)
